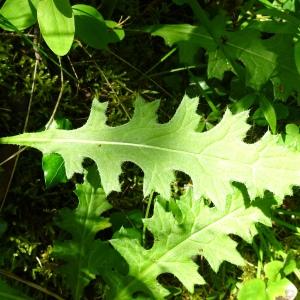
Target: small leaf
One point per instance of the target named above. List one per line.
(282, 289)
(92, 29)
(269, 112)
(292, 129)
(292, 137)
(56, 23)
(273, 269)
(20, 13)
(53, 164)
(54, 169)
(254, 289)
(243, 104)
(290, 264)
(297, 55)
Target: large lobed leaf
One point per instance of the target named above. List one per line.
(82, 254)
(244, 45)
(212, 159)
(262, 59)
(199, 230)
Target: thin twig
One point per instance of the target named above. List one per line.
(31, 284)
(74, 71)
(140, 72)
(12, 156)
(59, 96)
(16, 34)
(37, 59)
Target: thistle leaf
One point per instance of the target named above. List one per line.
(81, 253)
(213, 159)
(201, 231)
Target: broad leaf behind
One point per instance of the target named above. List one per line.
(82, 252)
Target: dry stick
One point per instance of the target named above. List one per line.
(5, 273)
(26, 122)
(31, 284)
(113, 90)
(16, 34)
(12, 156)
(47, 126)
(59, 96)
(74, 71)
(37, 59)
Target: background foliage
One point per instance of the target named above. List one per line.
(241, 55)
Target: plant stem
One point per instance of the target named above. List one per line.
(59, 96)
(287, 225)
(146, 216)
(31, 284)
(161, 60)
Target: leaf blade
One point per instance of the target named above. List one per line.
(56, 21)
(21, 18)
(212, 159)
(201, 231)
(80, 253)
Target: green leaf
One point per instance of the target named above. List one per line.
(273, 269)
(20, 13)
(9, 293)
(297, 55)
(53, 164)
(56, 21)
(292, 137)
(269, 112)
(273, 57)
(82, 251)
(290, 264)
(243, 104)
(254, 289)
(212, 159)
(286, 77)
(251, 51)
(54, 169)
(92, 29)
(282, 289)
(200, 231)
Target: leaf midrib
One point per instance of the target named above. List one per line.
(32, 141)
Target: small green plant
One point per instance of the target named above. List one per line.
(276, 286)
